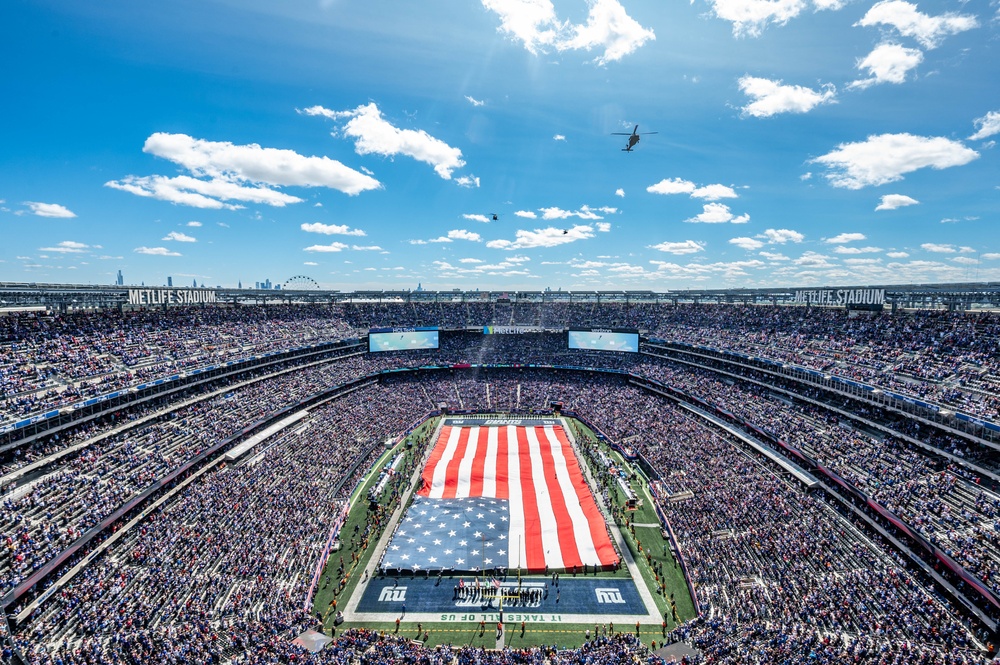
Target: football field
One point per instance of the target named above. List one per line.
(500, 521)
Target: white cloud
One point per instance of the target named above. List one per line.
(474, 101)
(717, 213)
(332, 247)
(781, 236)
(965, 260)
(548, 237)
(156, 251)
(897, 255)
(179, 237)
(683, 247)
(904, 17)
(774, 256)
(469, 181)
(620, 192)
(672, 186)
(418, 242)
(309, 263)
(893, 201)
(611, 28)
(534, 24)
(938, 248)
(470, 261)
(331, 229)
(210, 194)
(746, 243)
(603, 227)
(846, 237)
(585, 212)
(771, 97)
(681, 186)
(888, 63)
(366, 248)
(991, 256)
(713, 192)
(475, 217)
(222, 171)
(527, 214)
(441, 239)
(558, 137)
(373, 135)
(885, 158)
(49, 210)
(193, 224)
(844, 249)
(750, 17)
(701, 271)
(986, 126)
(67, 247)
(813, 260)
(462, 234)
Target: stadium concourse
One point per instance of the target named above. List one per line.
(828, 477)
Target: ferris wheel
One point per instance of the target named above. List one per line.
(300, 283)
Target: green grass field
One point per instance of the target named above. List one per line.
(655, 555)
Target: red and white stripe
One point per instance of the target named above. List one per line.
(554, 521)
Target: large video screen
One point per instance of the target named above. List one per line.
(604, 340)
(402, 339)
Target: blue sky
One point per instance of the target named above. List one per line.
(368, 144)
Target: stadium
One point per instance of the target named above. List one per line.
(495, 477)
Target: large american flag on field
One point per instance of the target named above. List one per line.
(546, 516)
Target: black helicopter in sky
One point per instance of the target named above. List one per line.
(633, 138)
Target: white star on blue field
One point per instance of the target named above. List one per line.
(481, 144)
(468, 534)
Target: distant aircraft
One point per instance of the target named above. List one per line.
(633, 138)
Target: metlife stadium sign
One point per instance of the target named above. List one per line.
(841, 297)
(170, 296)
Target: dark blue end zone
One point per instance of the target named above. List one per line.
(579, 595)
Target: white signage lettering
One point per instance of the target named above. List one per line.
(841, 297)
(170, 296)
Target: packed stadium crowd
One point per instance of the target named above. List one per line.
(50, 361)
(944, 502)
(771, 565)
(227, 564)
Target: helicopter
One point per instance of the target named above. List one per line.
(633, 138)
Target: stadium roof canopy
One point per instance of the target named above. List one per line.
(65, 297)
